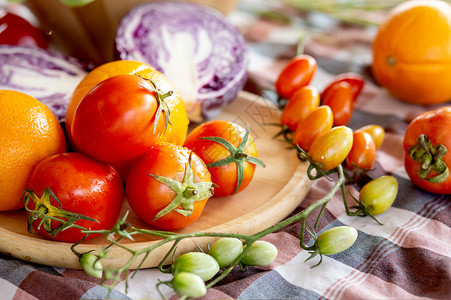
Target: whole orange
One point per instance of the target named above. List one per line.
(29, 132)
(175, 133)
(412, 52)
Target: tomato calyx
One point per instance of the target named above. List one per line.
(162, 105)
(237, 155)
(285, 132)
(304, 156)
(313, 250)
(430, 158)
(187, 191)
(47, 212)
(360, 209)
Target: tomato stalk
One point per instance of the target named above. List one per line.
(162, 105)
(187, 192)
(47, 212)
(314, 166)
(237, 156)
(122, 230)
(359, 209)
(430, 158)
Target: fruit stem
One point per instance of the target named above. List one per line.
(430, 158)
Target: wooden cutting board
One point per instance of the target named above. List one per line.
(273, 194)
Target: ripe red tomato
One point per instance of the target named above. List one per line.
(231, 163)
(83, 186)
(167, 188)
(340, 100)
(119, 119)
(354, 79)
(363, 151)
(15, 30)
(297, 73)
(331, 149)
(314, 125)
(427, 158)
(303, 101)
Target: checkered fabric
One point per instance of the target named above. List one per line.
(408, 257)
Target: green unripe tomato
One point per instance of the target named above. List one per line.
(336, 239)
(189, 285)
(201, 264)
(261, 253)
(91, 265)
(226, 250)
(379, 194)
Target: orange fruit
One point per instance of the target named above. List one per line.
(412, 52)
(175, 134)
(29, 132)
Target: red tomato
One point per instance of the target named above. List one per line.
(231, 167)
(330, 149)
(427, 159)
(317, 122)
(83, 186)
(303, 101)
(167, 191)
(355, 80)
(340, 100)
(363, 151)
(117, 119)
(15, 30)
(297, 73)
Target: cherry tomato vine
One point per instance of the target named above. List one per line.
(329, 150)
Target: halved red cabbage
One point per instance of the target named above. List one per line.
(196, 47)
(45, 75)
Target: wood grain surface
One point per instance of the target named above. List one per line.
(273, 194)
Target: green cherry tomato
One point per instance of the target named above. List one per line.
(226, 250)
(91, 265)
(336, 239)
(261, 253)
(331, 148)
(379, 194)
(189, 285)
(201, 264)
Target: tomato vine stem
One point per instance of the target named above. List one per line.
(122, 230)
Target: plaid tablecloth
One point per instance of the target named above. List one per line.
(408, 257)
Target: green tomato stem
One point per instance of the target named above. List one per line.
(123, 230)
(430, 158)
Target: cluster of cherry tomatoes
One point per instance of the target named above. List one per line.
(316, 124)
(117, 126)
(317, 120)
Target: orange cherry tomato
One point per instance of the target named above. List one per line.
(297, 73)
(303, 101)
(331, 149)
(315, 124)
(355, 80)
(377, 133)
(363, 151)
(341, 100)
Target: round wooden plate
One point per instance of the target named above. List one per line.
(273, 194)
